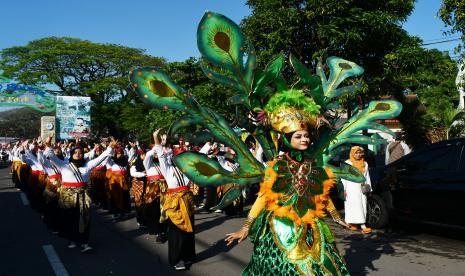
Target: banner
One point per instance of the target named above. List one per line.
(47, 127)
(15, 94)
(73, 116)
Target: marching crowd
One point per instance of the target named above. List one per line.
(62, 180)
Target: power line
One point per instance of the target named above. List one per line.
(444, 41)
(436, 39)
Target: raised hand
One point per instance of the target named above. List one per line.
(156, 139)
(48, 141)
(25, 143)
(113, 143)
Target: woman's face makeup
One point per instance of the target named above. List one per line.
(300, 140)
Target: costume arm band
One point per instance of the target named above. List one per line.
(333, 211)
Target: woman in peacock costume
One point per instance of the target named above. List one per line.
(286, 223)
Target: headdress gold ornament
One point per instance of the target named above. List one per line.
(292, 110)
(289, 119)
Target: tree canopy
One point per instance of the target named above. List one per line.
(360, 31)
(452, 13)
(369, 33)
(75, 67)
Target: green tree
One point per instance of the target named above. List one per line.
(75, 67)
(21, 122)
(452, 118)
(430, 74)
(452, 13)
(361, 31)
(369, 33)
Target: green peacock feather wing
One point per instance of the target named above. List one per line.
(158, 90)
(222, 45)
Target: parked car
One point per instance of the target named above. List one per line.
(427, 185)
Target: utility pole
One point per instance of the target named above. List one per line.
(460, 83)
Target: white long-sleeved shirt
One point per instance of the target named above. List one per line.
(49, 168)
(152, 168)
(135, 173)
(15, 154)
(174, 177)
(32, 161)
(68, 172)
(115, 168)
(227, 165)
(131, 153)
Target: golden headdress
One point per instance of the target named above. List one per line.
(291, 110)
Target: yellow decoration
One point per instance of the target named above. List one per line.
(289, 119)
(287, 211)
(178, 207)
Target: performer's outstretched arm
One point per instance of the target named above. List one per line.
(254, 212)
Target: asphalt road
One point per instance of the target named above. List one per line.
(26, 248)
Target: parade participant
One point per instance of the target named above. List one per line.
(98, 192)
(119, 184)
(226, 160)
(37, 178)
(131, 151)
(23, 172)
(139, 180)
(396, 149)
(314, 251)
(16, 164)
(355, 202)
(179, 209)
(73, 199)
(50, 195)
(154, 194)
(4, 153)
(250, 192)
(180, 147)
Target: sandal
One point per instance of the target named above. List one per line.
(366, 230)
(353, 227)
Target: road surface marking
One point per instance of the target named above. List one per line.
(24, 199)
(54, 260)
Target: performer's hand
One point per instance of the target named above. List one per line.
(239, 236)
(48, 141)
(25, 144)
(156, 140)
(113, 143)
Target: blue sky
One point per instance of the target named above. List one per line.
(163, 28)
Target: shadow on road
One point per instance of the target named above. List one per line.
(361, 251)
(210, 224)
(217, 247)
